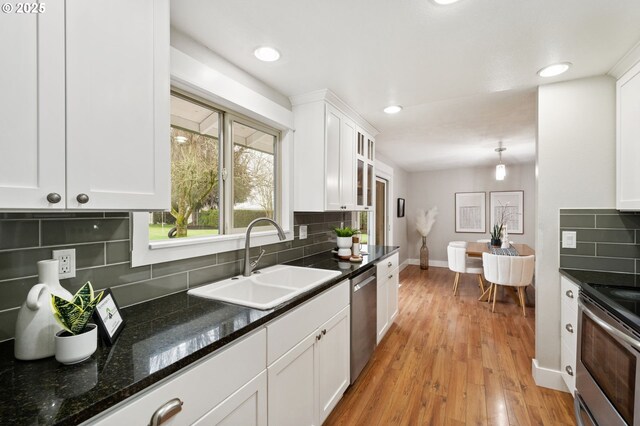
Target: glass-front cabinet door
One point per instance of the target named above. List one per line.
(365, 156)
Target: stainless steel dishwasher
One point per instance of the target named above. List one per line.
(363, 320)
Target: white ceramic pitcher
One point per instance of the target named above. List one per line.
(36, 327)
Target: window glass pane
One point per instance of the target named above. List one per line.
(362, 222)
(195, 174)
(254, 172)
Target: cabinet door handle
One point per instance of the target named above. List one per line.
(168, 410)
(569, 370)
(54, 198)
(324, 331)
(569, 294)
(319, 336)
(389, 264)
(82, 198)
(390, 276)
(569, 328)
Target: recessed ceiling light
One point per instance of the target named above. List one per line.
(445, 2)
(267, 54)
(393, 109)
(554, 69)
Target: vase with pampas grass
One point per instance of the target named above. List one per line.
(424, 223)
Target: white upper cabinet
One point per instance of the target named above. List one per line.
(86, 120)
(365, 163)
(117, 67)
(32, 108)
(628, 140)
(325, 153)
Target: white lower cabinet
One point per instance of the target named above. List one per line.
(293, 383)
(568, 331)
(388, 281)
(246, 407)
(333, 361)
(307, 352)
(221, 387)
(307, 381)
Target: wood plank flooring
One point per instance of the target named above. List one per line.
(449, 361)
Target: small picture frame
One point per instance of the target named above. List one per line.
(400, 207)
(109, 318)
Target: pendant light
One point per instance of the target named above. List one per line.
(501, 169)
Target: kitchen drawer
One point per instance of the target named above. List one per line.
(569, 318)
(387, 265)
(200, 387)
(569, 293)
(568, 364)
(285, 332)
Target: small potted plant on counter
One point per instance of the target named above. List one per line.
(344, 241)
(79, 340)
(496, 235)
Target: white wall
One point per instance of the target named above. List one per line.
(576, 169)
(398, 224)
(438, 188)
(186, 44)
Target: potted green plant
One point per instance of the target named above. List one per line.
(344, 241)
(496, 235)
(78, 340)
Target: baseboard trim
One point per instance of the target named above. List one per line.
(434, 263)
(404, 264)
(547, 377)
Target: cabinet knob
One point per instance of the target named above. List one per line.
(319, 336)
(82, 198)
(366, 208)
(389, 264)
(390, 276)
(569, 294)
(569, 328)
(324, 331)
(54, 198)
(168, 410)
(569, 370)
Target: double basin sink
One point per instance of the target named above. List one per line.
(266, 288)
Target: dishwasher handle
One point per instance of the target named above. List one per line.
(364, 283)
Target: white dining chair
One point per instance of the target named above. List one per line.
(513, 271)
(458, 243)
(460, 263)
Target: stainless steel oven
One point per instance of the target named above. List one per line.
(607, 369)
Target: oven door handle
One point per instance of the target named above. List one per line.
(614, 331)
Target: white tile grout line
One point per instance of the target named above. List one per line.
(62, 245)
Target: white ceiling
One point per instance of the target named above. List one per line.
(465, 73)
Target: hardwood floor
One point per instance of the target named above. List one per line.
(450, 361)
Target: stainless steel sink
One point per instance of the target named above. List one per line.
(266, 288)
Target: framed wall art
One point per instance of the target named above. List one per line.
(508, 207)
(400, 207)
(470, 212)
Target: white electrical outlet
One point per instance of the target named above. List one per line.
(569, 239)
(303, 232)
(67, 262)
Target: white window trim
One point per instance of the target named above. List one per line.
(384, 171)
(195, 77)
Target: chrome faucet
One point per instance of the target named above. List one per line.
(250, 266)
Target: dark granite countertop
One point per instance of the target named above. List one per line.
(590, 283)
(161, 337)
(580, 277)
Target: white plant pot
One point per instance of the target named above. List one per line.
(71, 349)
(344, 247)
